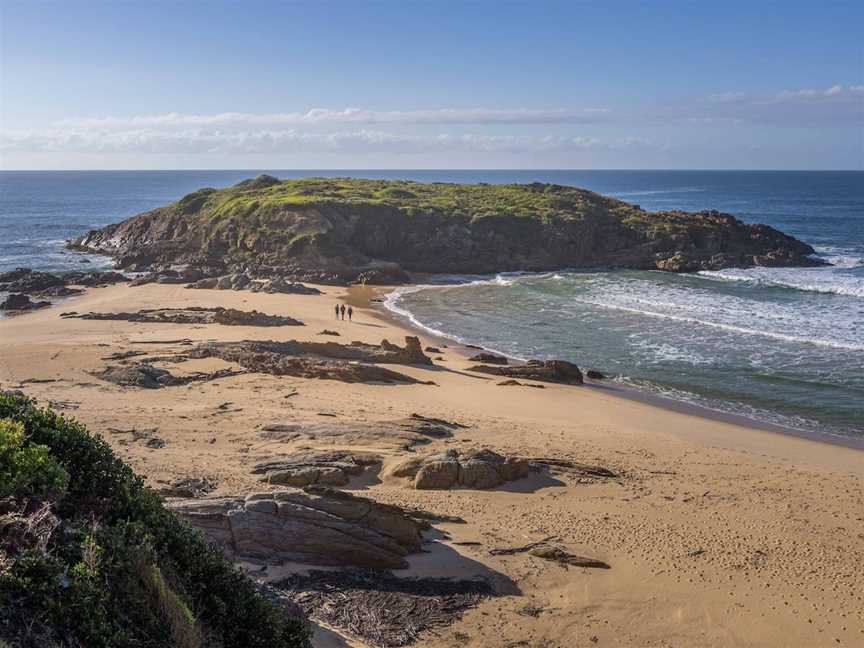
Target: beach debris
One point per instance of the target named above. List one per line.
(380, 608)
(554, 371)
(489, 358)
(318, 526)
(432, 349)
(543, 549)
(329, 467)
(580, 469)
(196, 315)
(329, 332)
(479, 469)
(565, 558)
(509, 383)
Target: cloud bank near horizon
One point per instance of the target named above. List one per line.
(356, 131)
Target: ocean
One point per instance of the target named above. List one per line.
(778, 345)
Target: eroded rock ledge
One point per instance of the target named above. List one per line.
(318, 526)
(196, 315)
(554, 371)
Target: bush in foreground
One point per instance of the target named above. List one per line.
(89, 556)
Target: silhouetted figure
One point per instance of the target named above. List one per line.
(350, 313)
(342, 308)
(337, 311)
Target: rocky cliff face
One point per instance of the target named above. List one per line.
(335, 230)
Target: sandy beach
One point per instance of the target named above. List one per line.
(717, 534)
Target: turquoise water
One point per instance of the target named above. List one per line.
(784, 345)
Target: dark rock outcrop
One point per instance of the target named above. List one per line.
(480, 469)
(489, 358)
(318, 526)
(196, 315)
(25, 280)
(373, 231)
(19, 302)
(93, 279)
(34, 282)
(555, 371)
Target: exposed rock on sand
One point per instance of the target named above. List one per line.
(478, 469)
(197, 315)
(319, 526)
(307, 359)
(489, 358)
(150, 377)
(331, 468)
(555, 371)
(400, 434)
(385, 353)
(19, 302)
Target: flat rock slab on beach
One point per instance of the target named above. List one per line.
(195, 315)
(400, 434)
(318, 526)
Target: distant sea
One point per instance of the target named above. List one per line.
(778, 345)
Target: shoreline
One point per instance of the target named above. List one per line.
(368, 293)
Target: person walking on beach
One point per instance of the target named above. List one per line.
(350, 313)
(342, 308)
(337, 311)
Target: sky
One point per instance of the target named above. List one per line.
(436, 84)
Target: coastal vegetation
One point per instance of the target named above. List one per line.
(90, 557)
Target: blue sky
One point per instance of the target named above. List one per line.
(431, 85)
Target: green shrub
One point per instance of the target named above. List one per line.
(27, 471)
(87, 588)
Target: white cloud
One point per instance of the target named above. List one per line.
(323, 116)
(155, 141)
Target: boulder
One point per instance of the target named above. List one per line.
(593, 374)
(477, 469)
(19, 302)
(318, 525)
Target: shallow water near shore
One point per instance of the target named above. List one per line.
(782, 345)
